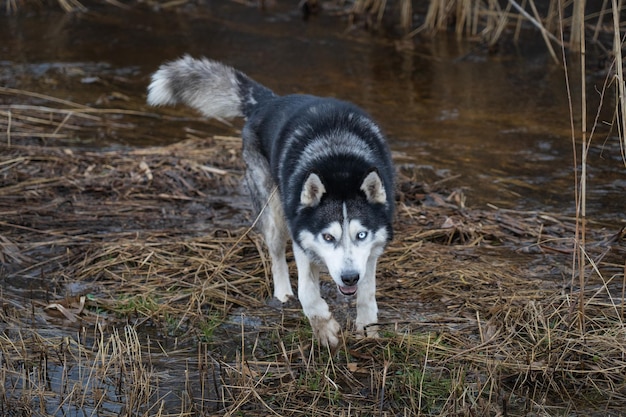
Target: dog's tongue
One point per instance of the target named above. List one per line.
(347, 290)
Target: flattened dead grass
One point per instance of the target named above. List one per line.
(133, 285)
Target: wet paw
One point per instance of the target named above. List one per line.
(326, 330)
(289, 302)
(372, 332)
(369, 330)
(283, 296)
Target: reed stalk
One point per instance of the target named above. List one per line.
(406, 15)
(585, 144)
(577, 30)
(619, 76)
(575, 250)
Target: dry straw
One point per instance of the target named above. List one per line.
(133, 285)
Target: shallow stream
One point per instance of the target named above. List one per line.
(497, 125)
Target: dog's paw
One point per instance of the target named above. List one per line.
(326, 330)
(283, 295)
(370, 330)
(290, 302)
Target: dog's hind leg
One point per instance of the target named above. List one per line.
(324, 326)
(266, 202)
(276, 234)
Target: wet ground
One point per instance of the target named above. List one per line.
(494, 125)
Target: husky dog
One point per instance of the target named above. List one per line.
(318, 170)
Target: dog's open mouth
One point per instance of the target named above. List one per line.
(347, 290)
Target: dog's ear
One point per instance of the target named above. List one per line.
(373, 188)
(312, 191)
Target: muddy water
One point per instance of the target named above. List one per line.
(496, 124)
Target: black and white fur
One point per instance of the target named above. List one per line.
(318, 170)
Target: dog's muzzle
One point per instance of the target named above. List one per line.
(350, 280)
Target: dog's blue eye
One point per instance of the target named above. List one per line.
(361, 235)
(328, 237)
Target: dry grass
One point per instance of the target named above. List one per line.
(488, 21)
(132, 285)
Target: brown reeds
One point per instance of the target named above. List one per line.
(489, 20)
(582, 265)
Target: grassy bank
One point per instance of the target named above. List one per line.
(132, 285)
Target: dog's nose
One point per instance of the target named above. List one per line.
(350, 278)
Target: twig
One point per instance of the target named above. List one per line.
(9, 128)
(547, 35)
(382, 388)
(8, 90)
(619, 68)
(585, 143)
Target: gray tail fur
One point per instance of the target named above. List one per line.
(214, 89)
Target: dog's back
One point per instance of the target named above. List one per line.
(300, 134)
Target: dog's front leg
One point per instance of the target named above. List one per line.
(325, 327)
(366, 307)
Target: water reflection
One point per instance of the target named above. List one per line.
(500, 121)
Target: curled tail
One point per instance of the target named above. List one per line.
(214, 89)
